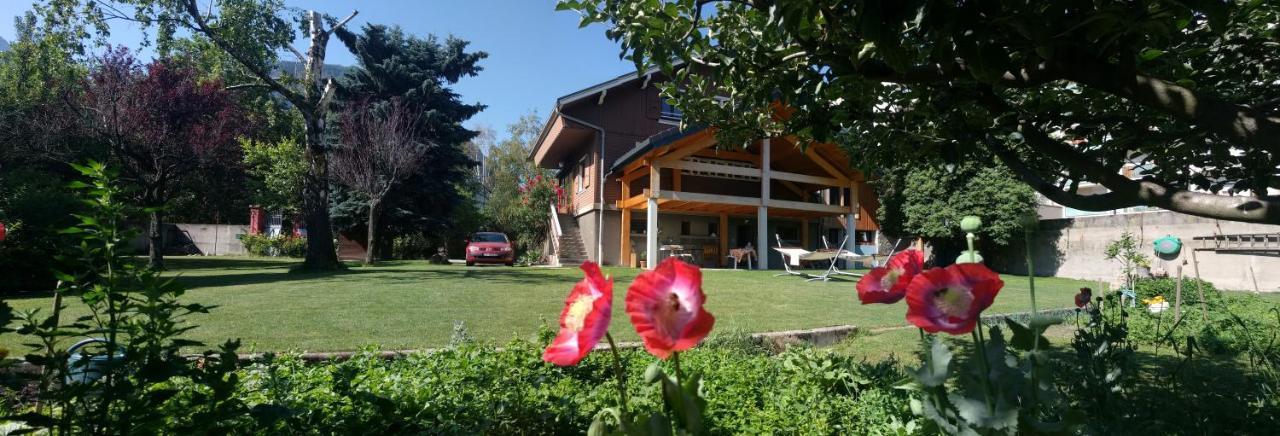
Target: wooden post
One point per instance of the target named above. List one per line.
(624, 248)
(624, 256)
(804, 233)
(724, 238)
(853, 198)
(651, 217)
(1195, 265)
(1177, 299)
(762, 212)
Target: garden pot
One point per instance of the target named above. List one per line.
(88, 368)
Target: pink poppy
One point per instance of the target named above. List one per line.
(888, 284)
(665, 305)
(951, 299)
(585, 318)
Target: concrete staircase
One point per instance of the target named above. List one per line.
(572, 251)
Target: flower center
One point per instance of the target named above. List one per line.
(953, 301)
(578, 311)
(890, 278)
(668, 314)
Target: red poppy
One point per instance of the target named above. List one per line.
(951, 299)
(1084, 297)
(888, 284)
(585, 318)
(665, 305)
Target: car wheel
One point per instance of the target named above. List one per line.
(470, 263)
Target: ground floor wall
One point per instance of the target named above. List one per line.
(588, 226)
(1074, 248)
(700, 232)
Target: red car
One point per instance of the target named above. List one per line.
(490, 247)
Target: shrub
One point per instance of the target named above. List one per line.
(1149, 288)
(1227, 326)
(480, 389)
(263, 245)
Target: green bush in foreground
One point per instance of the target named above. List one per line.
(478, 389)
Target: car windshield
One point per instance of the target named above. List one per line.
(489, 237)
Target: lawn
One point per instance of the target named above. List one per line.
(411, 304)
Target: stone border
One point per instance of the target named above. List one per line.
(822, 336)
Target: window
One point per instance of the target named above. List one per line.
(685, 228)
(667, 112)
(581, 181)
(489, 237)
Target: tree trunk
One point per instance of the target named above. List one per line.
(372, 243)
(156, 241)
(321, 254)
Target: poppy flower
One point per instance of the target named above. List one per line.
(665, 305)
(1083, 298)
(888, 284)
(585, 318)
(951, 299)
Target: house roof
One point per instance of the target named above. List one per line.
(555, 122)
(648, 144)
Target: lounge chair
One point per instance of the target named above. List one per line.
(792, 256)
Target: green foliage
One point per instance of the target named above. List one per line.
(928, 82)
(1223, 325)
(1126, 251)
(277, 173)
(474, 388)
(929, 201)
(507, 170)
(33, 206)
(1168, 286)
(282, 245)
(436, 199)
(1103, 370)
(130, 384)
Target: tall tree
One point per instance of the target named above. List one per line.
(1062, 91)
(506, 168)
(161, 125)
(250, 32)
(928, 201)
(419, 73)
(379, 150)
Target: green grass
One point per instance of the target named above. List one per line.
(410, 305)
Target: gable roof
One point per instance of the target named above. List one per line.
(623, 79)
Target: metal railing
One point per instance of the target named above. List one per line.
(556, 231)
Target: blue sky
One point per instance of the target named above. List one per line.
(535, 53)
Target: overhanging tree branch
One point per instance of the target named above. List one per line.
(1241, 123)
(1125, 190)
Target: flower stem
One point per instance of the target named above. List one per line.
(1035, 341)
(980, 344)
(675, 359)
(972, 254)
(1031, 275)
(622, 375)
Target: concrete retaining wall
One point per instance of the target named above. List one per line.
(209, 239)
(1073, 247)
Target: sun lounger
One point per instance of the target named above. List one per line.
(792, 256)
